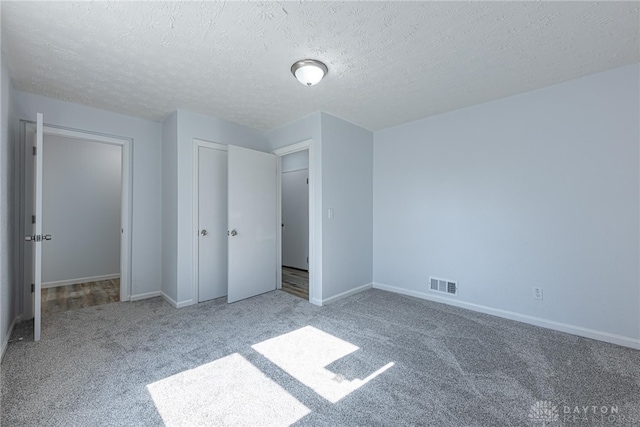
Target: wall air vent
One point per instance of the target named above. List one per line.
(444, 286)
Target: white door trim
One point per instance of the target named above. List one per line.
(37, 210)
(196, 220)
(126, 215)
(315, 245)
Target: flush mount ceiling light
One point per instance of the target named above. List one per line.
(309, 71)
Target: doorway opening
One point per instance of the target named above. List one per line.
(299, 263)
(294, 179)
(87, 211)
(81, 196)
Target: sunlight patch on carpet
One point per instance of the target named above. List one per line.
(305, 353)
(228, 391)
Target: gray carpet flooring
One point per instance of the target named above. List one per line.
(373, 359)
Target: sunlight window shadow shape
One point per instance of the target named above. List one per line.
(228, 391)
(305, 353)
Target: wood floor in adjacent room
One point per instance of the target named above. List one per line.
(70, 297)
(295, 282)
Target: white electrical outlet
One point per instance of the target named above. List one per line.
(537, 293)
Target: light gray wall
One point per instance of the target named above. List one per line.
(539, 189)
(81, 209)
(347, 188)
(295, 161)
(342, 172)
(189, 126)
(8, 208)
(170, 205)
(146, 174)
(304, 129)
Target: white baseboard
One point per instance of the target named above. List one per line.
(174, 303)
(79, 280)
(145, 296)
(168, 299)
(315, 301)
(532, 320)
(346, 293)
(5, 341)
(184, 303)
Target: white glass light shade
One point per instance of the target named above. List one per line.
(309, 71)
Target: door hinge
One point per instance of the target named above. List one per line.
(35, 150)
(33, 219)
(33, 287)
(307, 181)
(307, 260)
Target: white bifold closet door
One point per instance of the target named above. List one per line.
(212, 223)
(252, 223)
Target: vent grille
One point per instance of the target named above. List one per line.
(444, 286)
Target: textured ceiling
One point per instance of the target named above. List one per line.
(389, 62)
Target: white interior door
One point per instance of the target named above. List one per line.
(36, 238)
(212, 223)
(295, 219)
(252, 223)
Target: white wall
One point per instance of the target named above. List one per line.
(170, 205)
(539, 189)
(146, 174)
(304, 129)
(342, 172)
(295, 161)
(347, 188)
(8, 209)
(81, 209)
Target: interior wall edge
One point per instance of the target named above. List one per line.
(5, 338)
(174, 303)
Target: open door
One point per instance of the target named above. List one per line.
(37, 238)
(252, 223)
